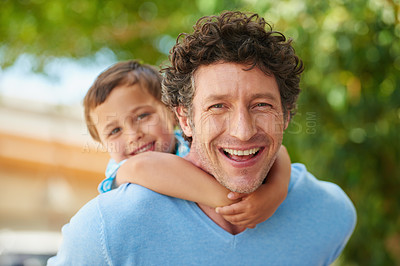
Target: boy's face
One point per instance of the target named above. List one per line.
(132, 121)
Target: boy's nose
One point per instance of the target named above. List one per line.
(134, 134)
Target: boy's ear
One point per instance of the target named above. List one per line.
(183, 120)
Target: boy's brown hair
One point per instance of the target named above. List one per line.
(126, 73)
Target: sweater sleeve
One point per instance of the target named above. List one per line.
(83, 239)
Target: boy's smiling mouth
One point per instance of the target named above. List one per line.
(148, 147)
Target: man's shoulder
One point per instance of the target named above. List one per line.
(129, 200)
(99, 227)
(320, 213)
(130, 196)
(318, 193)
(302, 179)
(127, 196)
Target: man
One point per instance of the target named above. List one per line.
(233, 86)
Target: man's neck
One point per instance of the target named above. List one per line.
(209, 211)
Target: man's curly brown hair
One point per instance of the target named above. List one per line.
(232, 37)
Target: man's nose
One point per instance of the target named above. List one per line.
(242, 124)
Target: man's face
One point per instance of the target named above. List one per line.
(237, 124)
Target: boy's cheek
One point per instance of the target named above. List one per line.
(112, 147)
(113, 150)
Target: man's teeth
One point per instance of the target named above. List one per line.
(241, 152)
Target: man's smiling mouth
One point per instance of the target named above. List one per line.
(241, 155)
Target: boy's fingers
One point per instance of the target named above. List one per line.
(236, 195)
(227, 210)
(241, 222)
(239, 219)
(232, 209)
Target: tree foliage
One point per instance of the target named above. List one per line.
(348, 122)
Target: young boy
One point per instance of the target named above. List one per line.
(123, 111)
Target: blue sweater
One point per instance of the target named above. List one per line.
(132, 225)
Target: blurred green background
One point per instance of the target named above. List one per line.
(348, 121)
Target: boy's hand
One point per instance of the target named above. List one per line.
(246, 213)
(253, 208)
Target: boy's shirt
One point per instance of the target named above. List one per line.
(182, 149)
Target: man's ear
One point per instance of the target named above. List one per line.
(184, 120)
(287, 120)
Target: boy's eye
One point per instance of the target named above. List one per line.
(142, 116)
(115, 131)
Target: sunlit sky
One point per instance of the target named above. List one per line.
(64, 81)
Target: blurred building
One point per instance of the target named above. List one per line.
(49, 168)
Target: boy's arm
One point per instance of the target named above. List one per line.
(262, 203)
(171, 175)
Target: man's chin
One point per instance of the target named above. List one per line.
(243, 190)
(243, 187)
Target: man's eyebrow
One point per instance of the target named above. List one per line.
(219, 97)
(216, 97)
(266, 95)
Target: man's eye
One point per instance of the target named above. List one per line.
(115, 131)
(218, 105)
(262, 105)
(142, 116)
